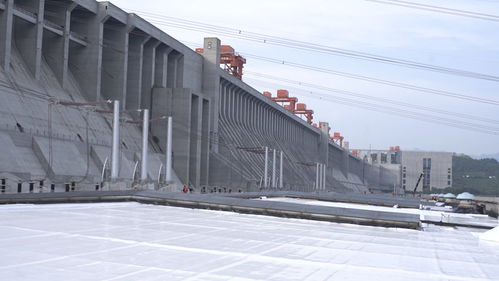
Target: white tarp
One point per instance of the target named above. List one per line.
(130, 241)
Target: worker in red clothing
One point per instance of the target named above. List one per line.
(185, 189)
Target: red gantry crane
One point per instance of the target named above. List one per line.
(293, 105)
(338, 138)
(232, 62)
(283, 97)
(301, 109)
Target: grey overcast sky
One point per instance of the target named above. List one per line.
(410, 34)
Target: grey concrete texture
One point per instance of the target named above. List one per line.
(440, 172)
(86, 51)
(214, 202)
(403, 168)
(355, 198)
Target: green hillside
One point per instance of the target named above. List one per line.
(480, 177)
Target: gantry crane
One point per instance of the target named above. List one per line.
(232, 62)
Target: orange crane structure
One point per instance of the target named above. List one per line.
(301, 109)
(232, 62)
(283, 97)
(267, 94)
(338, 138)
(293, 106)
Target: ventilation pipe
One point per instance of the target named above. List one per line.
(145, 142)
(115, 154)
(169, 148)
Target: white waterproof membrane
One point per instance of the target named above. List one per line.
(130, 241)
(425, 215)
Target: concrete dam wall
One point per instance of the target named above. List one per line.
(63, 61)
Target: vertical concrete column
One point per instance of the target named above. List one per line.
(148, 65)
(254, 116)
(179, 70)
(114, 60)
(205, 141)
(211, 82)
(145, 145)
(243, 109)
(346, 157)
(237, 102)
(271, 121)
(240, 113)
(233, 106)
(230, 101)
(274, 165)
(195, 145)
(324, 175)
(6, 22)
(171, 79)
(55, 48)
(136, 41)
(86, 62)
(250, 113)
(321, 176)
(240, 106)
(266, 168)
(115, 152)
(236, 105)
(258, 109)
(37, 60)
(265, 119)
(254, 113)
(247, 112)
(29, 38)
(316, 176)
(281, 173)
(161, 65)
(227, 101)
(63, 74)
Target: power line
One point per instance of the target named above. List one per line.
(384, 100)
(432, 8)
(302, 45)
(408, 86)
(375, 80)
(401, 112)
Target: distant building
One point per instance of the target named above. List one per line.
(408, 165)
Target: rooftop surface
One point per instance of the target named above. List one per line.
(133, 241)
(431, 216)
